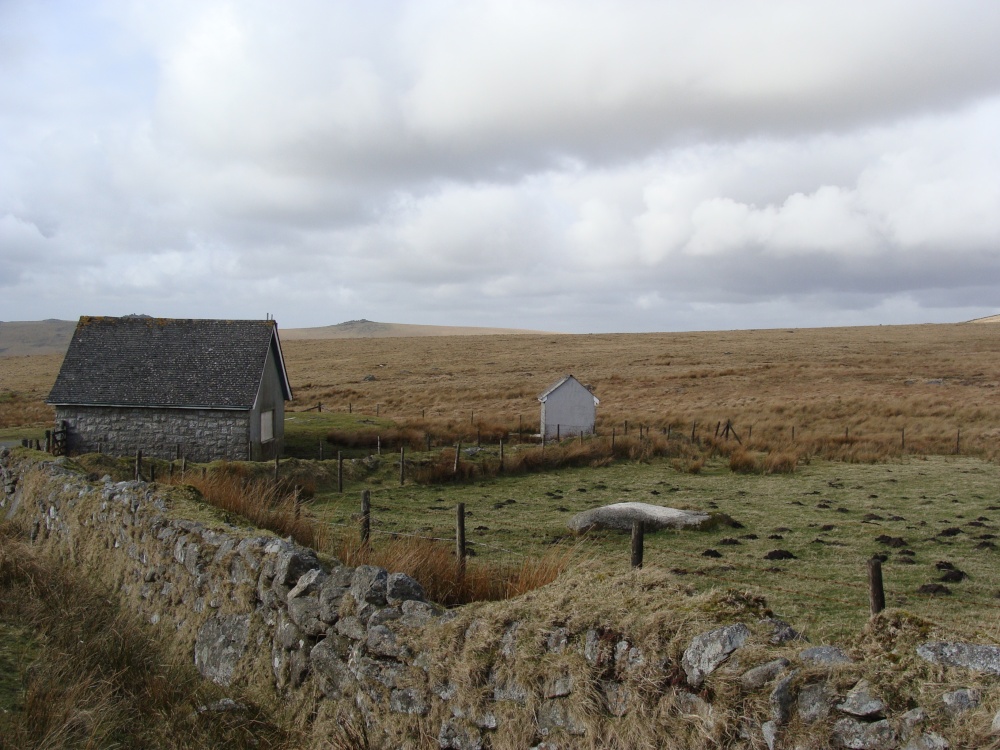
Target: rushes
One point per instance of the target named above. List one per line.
(433, 564)
(275, 507)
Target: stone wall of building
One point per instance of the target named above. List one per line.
(198, 434)
(361, 647)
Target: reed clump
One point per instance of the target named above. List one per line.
(277, 506)
(447, 582)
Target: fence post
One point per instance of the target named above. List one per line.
(902, 439)
(138, 465)
(626, 427)
(276, 467)
(460, 537)
(958, 442)
(48, 441)
(378, 444)
(501, 454)
(638, 531)
(152, 472)
(612, 439)
(694, 425)
(184, 465)
(558, 432)
(876, 593)
(458, 451)
(427, 438)
(320, 450)
(340, 472)
(366, 517)
(479, 437)
(402, 465)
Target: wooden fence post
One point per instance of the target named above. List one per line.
(612, 439)
(638, 532)
(501, 454)
(694, 425)
(460, 537)
(320, 450)
(902, 439)
(558, 432)
(402, 465)
(626, 427)
(138, 465)
(958, 441)
(366, 517)
(48, 441)
(152, 472)
(276, 467)
(876, 593)
(458, 452)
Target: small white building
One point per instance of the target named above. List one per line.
(568, 408)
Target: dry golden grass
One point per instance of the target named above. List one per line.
(918, 389)
(277, 507)
(855, 394)
(97, 677)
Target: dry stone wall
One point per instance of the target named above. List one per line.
(339, 644)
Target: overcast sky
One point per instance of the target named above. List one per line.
(575, 165)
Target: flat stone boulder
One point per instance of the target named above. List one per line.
(708, 650)
(969, 655)
(620, 516)
(219, 646)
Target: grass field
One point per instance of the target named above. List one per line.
(910, 413)
(829, 515)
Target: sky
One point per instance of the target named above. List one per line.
(580, 166)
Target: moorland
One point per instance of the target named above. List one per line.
(885, 432)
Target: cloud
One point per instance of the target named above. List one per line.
(580, 166)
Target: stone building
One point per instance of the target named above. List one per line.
(568, 408)
(204, 389)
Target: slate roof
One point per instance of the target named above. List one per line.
(162, 362)
(558, 384)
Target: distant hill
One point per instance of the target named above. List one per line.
(987, 319)
(369, 329)
(21, 338)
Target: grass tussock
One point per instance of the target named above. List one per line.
(434, 564)
(93, 669)
(233, 488)
(277, 506)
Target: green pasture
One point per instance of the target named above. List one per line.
(830, 516)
